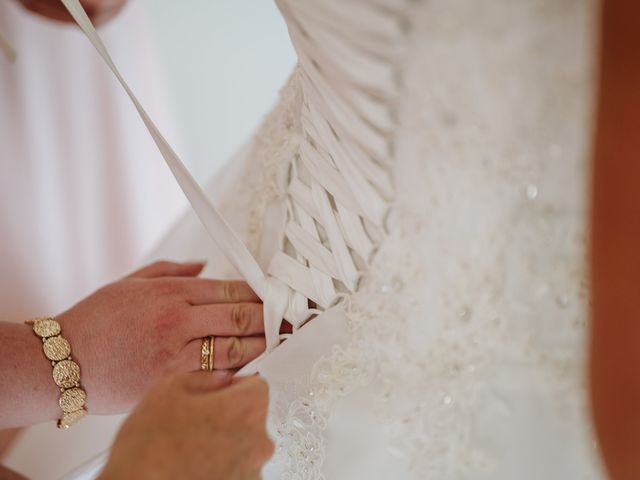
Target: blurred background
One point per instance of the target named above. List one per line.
(224, 62)
(84, 194)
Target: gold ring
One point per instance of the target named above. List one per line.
(205, 354)
(212, 350)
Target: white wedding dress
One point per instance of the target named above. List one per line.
(422, 181)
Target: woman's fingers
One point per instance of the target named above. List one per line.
(202, 291)
(98, 11)
(229, 352)
(225, 319)
(199, 291)
(169, 269)
(234, 352)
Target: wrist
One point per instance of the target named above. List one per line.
(42, 382)
(74, 329)
(28, 393)
(65, 371)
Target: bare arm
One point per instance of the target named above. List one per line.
(615, 348)
(28, 394)
(127, 334)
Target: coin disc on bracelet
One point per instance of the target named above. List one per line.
(66, 373)
(72, 399)
(56, 348)
(68, 419)
(46, 327)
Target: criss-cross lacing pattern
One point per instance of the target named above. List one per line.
(339, 181)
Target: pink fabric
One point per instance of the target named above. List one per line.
(84, 195)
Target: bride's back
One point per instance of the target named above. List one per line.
(470, 325)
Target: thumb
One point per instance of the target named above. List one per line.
(207, 382)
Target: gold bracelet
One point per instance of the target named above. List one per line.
(66, 372)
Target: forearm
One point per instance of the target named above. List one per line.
(28, 394)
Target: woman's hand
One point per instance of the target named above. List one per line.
(151, 323)
(99, 11)
(194, 426)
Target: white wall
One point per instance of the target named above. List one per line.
(225, 61)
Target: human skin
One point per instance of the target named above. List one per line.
(615, 243)
(99, 11)
(196, 426)
(128, 334)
